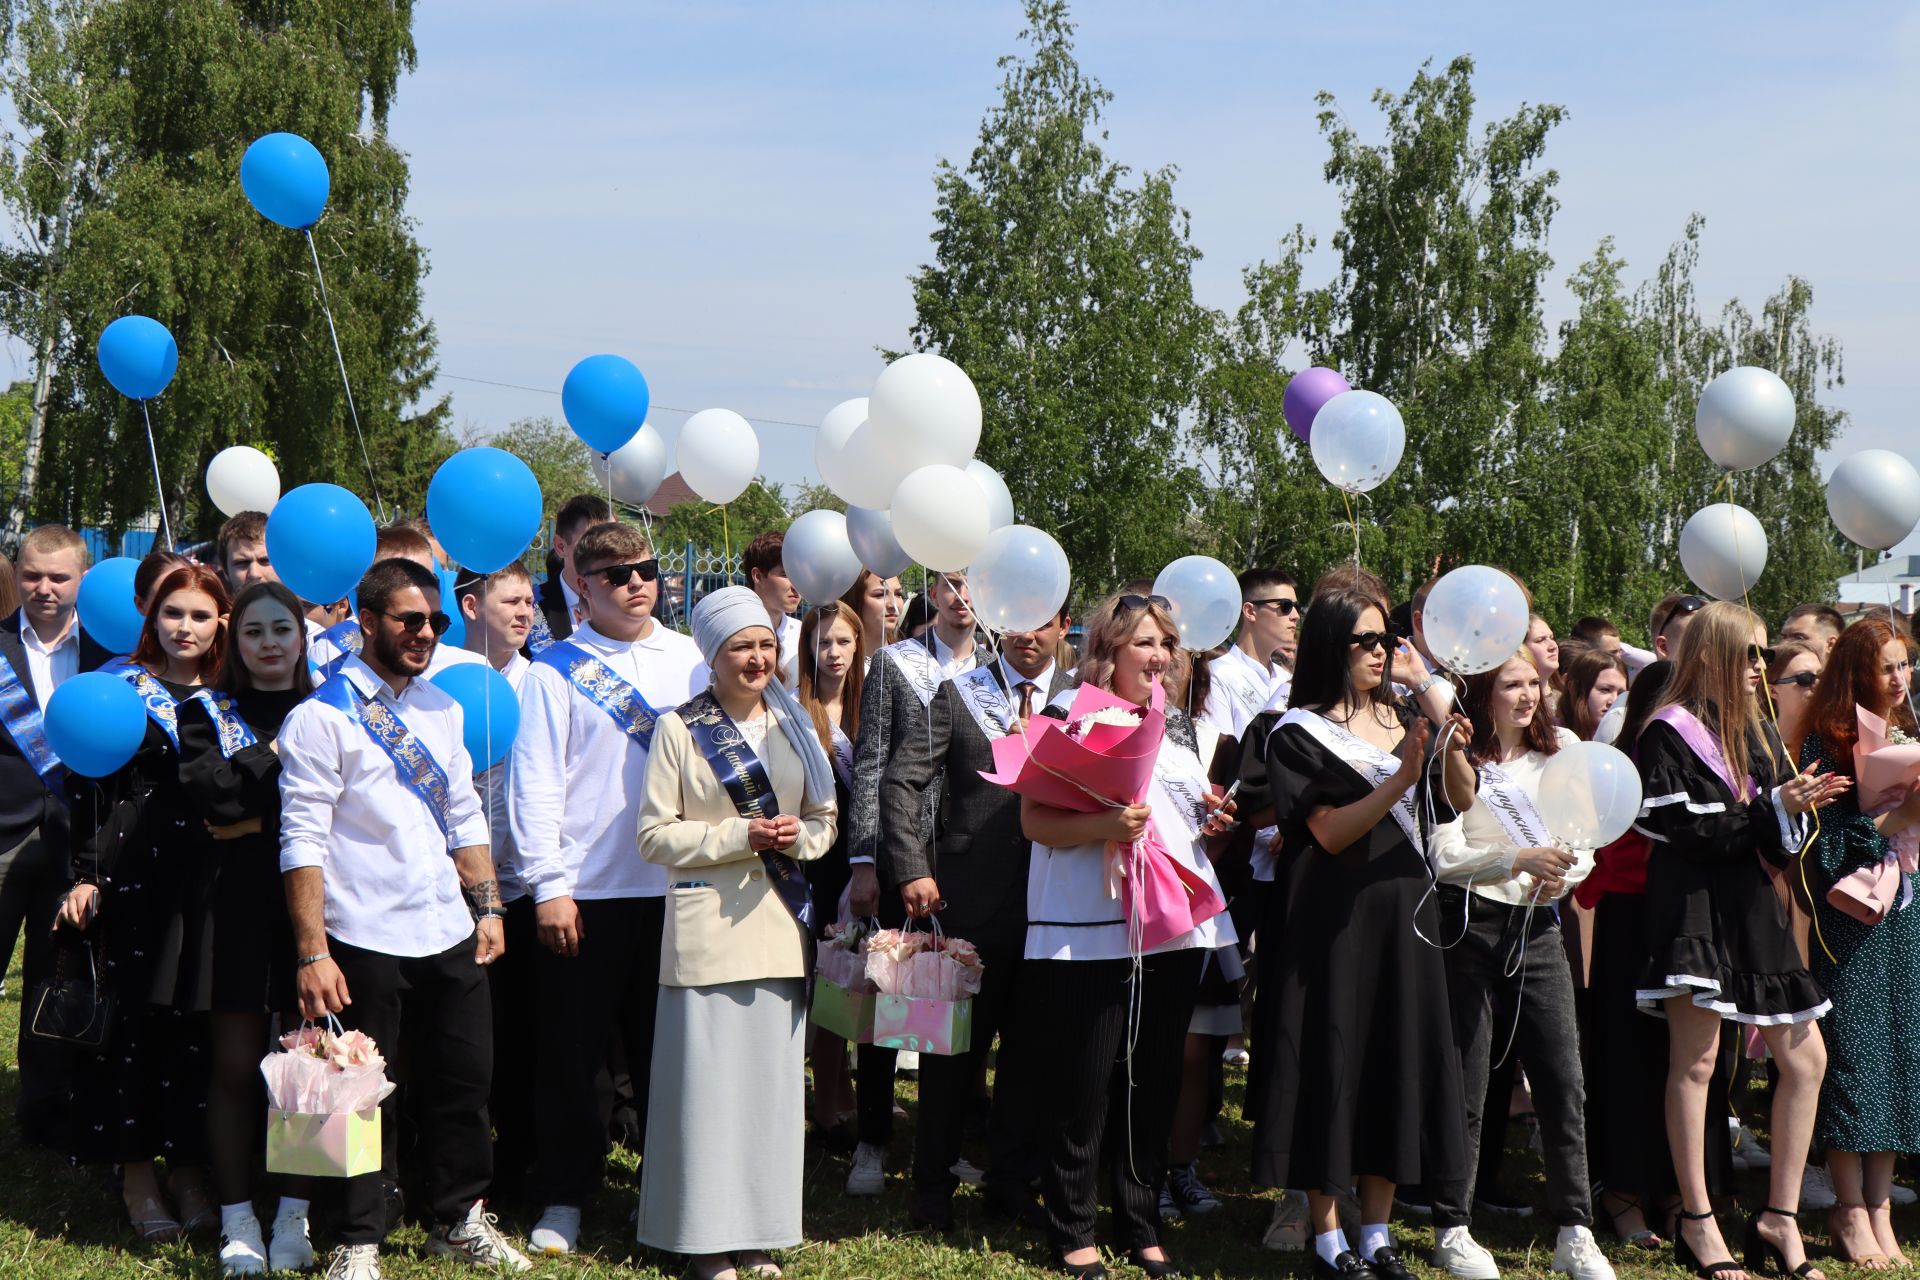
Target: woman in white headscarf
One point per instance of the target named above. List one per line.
(738, 793)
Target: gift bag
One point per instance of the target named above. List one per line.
(324, 1089)
(923, 1024)
(926, 984)
(842, 993)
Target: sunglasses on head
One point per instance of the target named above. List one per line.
(1281, 605)
(1141, 602)
(617, 575)
(1687, 605)
(1805, 679)
(1373, 640)
(415, 620)
(1759, 653)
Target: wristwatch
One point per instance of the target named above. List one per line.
(1433, 678)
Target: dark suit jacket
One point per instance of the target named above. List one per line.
(25, 802)
(552, 599)
(976, 850)
(889, 710)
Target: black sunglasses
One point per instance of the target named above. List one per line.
(415, 620)
(1686, 605)
(1281, 605)
(1805, 679)
(1373, 639)
(1758, 653)
(618, 574)
(1141, 602)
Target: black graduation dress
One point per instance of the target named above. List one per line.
(1361, 1074)
(1716, 928)
(251, 945)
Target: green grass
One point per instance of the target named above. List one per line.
(61, 1223)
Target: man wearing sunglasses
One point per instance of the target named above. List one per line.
(1246, 678)
(594, 910)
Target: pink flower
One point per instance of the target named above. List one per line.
(305, 1040)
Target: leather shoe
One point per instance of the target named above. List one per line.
(1387, 1264)
(1095, 1270)
(1347, 1266)
(1157, 1269)
(932, 1209)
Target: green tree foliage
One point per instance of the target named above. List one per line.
(1063, 285)
(123, 183)
(709, 528)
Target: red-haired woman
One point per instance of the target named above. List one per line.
(1870, 1101)
(142, 862)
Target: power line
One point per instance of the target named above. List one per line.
(548, 391)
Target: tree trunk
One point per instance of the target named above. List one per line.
(22, 503)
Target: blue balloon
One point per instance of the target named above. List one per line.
(605, 399)
(484, 506)
(320, 539)
(456, 633)
(285, 177)
(490, 707)
(94, 723)
(138, 356)
(107, 611)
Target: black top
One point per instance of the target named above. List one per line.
(1691, 812)
(106, 811)
(226, 790)
(552, 601)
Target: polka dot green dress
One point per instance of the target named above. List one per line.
(1870, 1100)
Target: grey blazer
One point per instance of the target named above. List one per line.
(890, 711)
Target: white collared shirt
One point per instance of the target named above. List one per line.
(789, 651)
(450, 655)
(320, 650)
(391, 885)
(1242, 689)
(951, 666)
(578, 779)
(49, 666)
(492, 784)
(1041, 683)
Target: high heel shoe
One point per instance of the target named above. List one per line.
(1767, 1258)
(1683, 1252)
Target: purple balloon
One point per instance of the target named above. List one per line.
(1307, 390)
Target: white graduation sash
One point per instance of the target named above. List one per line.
(843, 757)
(915, 663)
(1365, 759)
(1515, 810)
(989, 705)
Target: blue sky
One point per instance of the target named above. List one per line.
(734, 195)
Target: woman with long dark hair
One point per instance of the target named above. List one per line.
(1792, 675)
(143, 871)
(875, 603)
(1870, 1100)
(1726, 811)
(1591, 681)
(231, 771)
(1362, 1083)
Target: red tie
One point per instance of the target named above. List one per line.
(1026, 700)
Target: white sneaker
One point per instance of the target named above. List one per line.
(557, 1232)
(242, 1251)
(868, 1177)
(1897, 1194)
(355, 1262)
(291, 1249)
(1748, 1151)
(1579, 1256)
(1816, 1189)
(909, 1060)
(1459, 1254)
(478, 1241)
(970, 1175)
(1287, 1229)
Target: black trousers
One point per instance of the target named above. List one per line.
(612, 988)
(873, 1066)
(32, 884)
(515, 998)
(946, 1090)
(1077, 1012)
(440, 1008)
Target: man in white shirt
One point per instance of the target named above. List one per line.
(560, 607)
(1245, 678)
(587, 711)
(767, 575)
(396, 911)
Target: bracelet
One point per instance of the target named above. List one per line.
(316, 958)
(1432, 679)
(490, 913)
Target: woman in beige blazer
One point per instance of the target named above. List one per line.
(738, 794)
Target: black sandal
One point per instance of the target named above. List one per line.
(1645, 1238)
(1684, 1255)
(1767, 1258)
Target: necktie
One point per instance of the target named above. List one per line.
(1027, 690)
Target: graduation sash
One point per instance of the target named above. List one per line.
(161, 708)
(741, 772)
(418, 771)
(20, 715)
(991, 707)
(1705, 746)
(1515, 810)
(346, 637)
(539, 635)
(914, 661)
(843, 757)
(1365, 759)
(234, 734)
(601, 686)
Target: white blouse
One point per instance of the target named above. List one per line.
(1475, 850)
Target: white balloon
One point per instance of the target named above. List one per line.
(1724, 550)
(637, 467)
(1874, 498)
(999, 498)
(1357, 440)
(1020, 579)
(871, 533)
(1205, 600)
(849, 460)
(719, 454)
(1475, 619)
(924, 412)
(1744, 417)
(1589, 794)
(242, 478)
(940, 518)
(818, 557)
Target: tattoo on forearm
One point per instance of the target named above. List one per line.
(484, 894)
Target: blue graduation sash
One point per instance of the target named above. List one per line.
(418, 771)
(161, 708)
(601, 686)
(20, 715)
(234, 734)
(539, 635)
(745, 778)
(345, 636)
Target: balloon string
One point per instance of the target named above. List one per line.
(159, 490)
(1346, 500)
(326, 309)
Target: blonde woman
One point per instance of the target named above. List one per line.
(1725, 811)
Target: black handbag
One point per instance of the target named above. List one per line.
(71, 1006)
